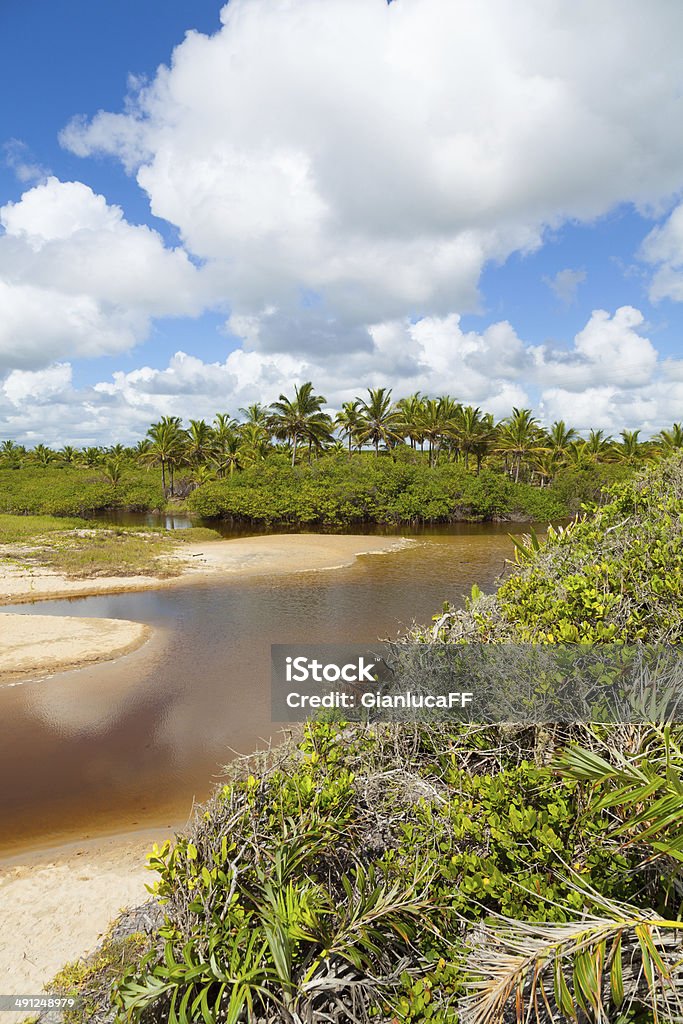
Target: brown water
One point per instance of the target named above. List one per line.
(132, 743)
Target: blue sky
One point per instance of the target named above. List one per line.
(428, 195)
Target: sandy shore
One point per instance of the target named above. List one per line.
(273, 555)
(40, 644)
(56, 905)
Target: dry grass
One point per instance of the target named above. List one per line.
(80, 550)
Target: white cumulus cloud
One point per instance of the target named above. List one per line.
(76, 279)
(379, 154)
(494, 368)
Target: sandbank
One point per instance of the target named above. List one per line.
(35, 645)
(273, 554)
(39, 645)
(56, 905)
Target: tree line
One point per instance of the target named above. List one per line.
(435, 429)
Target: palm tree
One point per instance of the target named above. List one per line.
(411, 411)
(300, 418)
(520, 438)
(224, 443)
(578, 456)
(629, 450)
(140, 448)
(112, 471)
(560, 436)
(254, 441)
(598, 444)
(68, 455)
(474, 432)
(379, 423)
(199, 442)
(670, 440)
(11, 453)
(202, 474)
(486, 440)
(227, 454)
(223, 424)
(256, 413)
(449, 412)
(435, 424)
(348, 420)
(167, 446)
(91, 457)
(43, 455)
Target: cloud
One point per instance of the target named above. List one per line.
(18, 157)
(608, 377)
(38, 385)
(76, 279)
(380, 154)
(608, 350)
(565, 284)
(339, 174)
(663, 248)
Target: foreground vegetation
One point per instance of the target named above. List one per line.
(404, 873)
(80, 550)
(416, 459)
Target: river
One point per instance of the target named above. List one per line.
(132, 743)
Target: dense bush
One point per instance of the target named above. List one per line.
(75, 491)
(615, 575)
(338, 883)
(340, 491)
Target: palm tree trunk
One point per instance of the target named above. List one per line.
(295, 438)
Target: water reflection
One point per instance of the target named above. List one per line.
(132, 742)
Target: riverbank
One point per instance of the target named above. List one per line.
(56, 905)
(40, 645)
(274, 554)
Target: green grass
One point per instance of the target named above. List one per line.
(20, 529)
(82, 550)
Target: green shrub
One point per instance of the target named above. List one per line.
(337, 491)
(75, 491)
(613, 575)
(359, 851)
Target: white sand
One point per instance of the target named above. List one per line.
(56, 905)
(34, 645)
(281, 553)
(273, 555)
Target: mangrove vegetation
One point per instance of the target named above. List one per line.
(415, 459)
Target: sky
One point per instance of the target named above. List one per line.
(202, 205)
